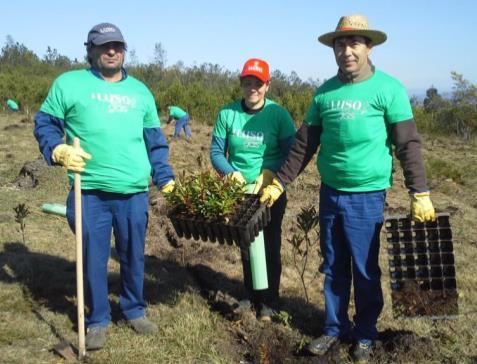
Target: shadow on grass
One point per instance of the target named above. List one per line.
(307, 318)
(45, 279)
(224, 293)
(50, 281)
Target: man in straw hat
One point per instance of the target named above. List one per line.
(356, 117)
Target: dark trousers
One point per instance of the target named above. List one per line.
(273, 241)
(126, 215)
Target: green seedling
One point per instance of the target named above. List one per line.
(21, 213)
(205, 195)
(303, 244)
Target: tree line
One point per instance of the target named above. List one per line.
(203, 89)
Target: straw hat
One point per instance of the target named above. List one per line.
(353, 25)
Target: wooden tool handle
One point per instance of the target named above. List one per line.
(79, 259)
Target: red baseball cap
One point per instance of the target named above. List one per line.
(257, 68)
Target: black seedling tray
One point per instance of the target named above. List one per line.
(249, 218)
(422, 267)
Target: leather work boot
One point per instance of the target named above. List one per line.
(322, 344)
(143, 325)
(96, 337)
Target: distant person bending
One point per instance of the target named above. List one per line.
(182, 120)
(356, 117)
(250, 141)
(115, 117)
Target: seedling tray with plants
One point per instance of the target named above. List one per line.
(421, 267)
(212, 208)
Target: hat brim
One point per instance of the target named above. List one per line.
(377, 37)
(260, 76)
(103, 40)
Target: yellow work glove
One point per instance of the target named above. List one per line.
(421, 207)
(70, 157)
(272, 192)
(168, 187)
(237, 176)
(262, 181)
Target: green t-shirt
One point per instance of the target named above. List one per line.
(253, 139)
(176, 112)
(109, 119)
(355, 153)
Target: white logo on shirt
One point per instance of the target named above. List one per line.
(348, 109)
(252, 139)
(117, 103)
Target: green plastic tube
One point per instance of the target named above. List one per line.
(258, 261)
(54, 208)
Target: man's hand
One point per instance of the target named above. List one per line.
(272, 192)
(168, 187)
(237, 176)
(262, 181)
(422, 209)
(70, 157)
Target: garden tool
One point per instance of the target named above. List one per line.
(79, 259)
(65, 348)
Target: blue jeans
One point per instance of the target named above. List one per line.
(182, 124)
(350, 223)
(126, 215)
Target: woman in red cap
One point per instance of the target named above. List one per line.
(250, 141)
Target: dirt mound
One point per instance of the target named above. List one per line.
(28, 177)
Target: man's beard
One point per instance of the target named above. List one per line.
(108, 71)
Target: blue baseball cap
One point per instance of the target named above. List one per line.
(104, 33)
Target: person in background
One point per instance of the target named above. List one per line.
(250, 141)
(12, 105)
(114, 116)
(182, 120)
(356, 118)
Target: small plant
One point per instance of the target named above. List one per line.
(205, 195)
(303, 242)
(21, 212)
(283, 317)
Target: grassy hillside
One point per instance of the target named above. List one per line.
(191, 286)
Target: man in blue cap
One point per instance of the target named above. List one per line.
(115, 117)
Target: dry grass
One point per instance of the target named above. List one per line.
(37, 282)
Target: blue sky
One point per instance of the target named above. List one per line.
(426, 39)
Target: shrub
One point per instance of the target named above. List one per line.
(205, 195)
